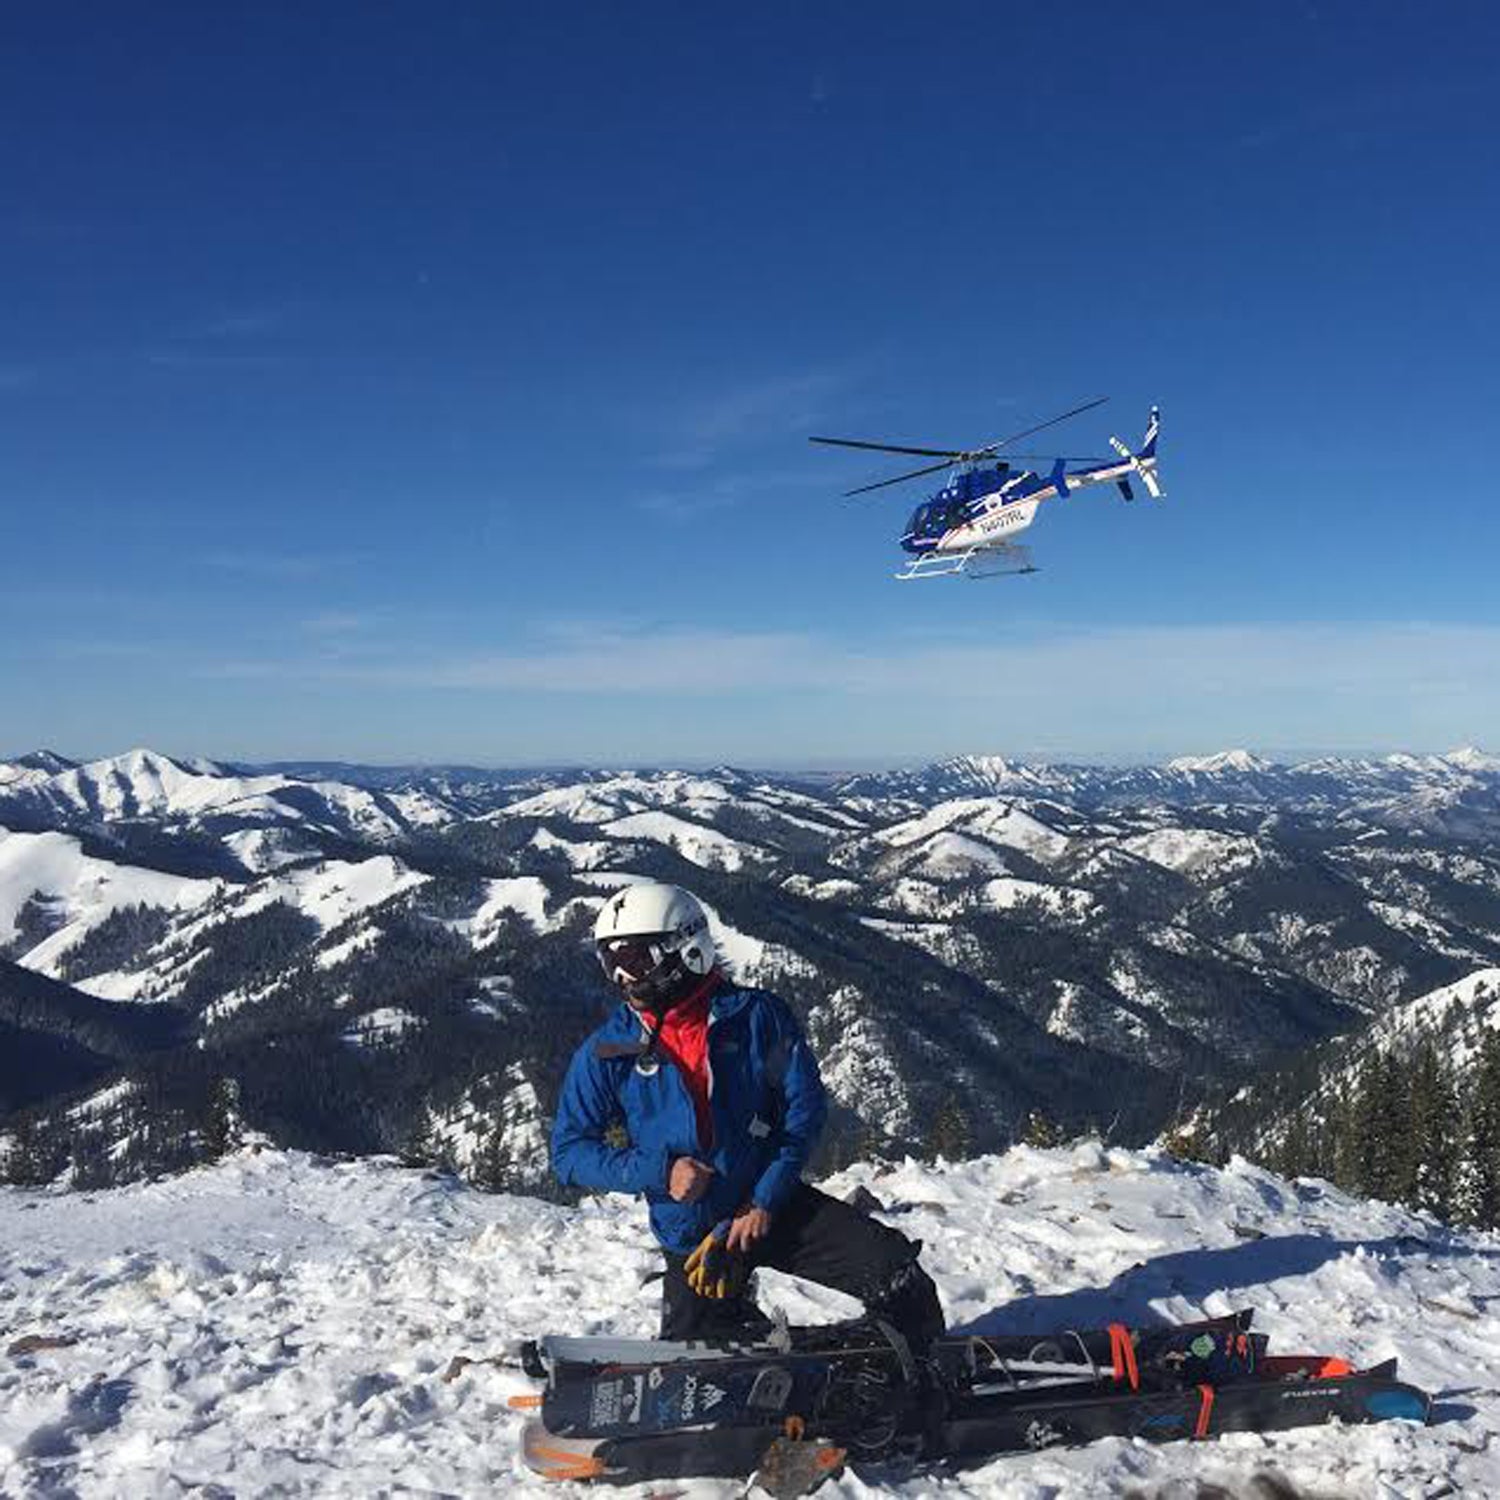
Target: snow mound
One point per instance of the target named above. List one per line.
(283, 1324)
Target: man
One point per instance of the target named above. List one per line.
(722, 1105)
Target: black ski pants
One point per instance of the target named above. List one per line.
(819, 1239)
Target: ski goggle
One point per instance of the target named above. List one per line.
(630, 959)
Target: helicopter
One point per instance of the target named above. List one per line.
(968, 528)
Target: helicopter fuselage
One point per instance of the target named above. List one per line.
(982, 508)
(988, 506)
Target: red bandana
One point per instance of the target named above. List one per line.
(683, 1036)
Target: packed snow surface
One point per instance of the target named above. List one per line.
(282, 1324)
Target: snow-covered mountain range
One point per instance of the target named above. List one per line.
(389, 962)
(279, 1324)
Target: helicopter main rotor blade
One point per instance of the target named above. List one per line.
(1067, 458)
(1016, 437)
(951, 453)
(949, 457)
(880, 484)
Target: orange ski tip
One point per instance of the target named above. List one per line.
(832, 1459)
(560, 1463)
(524, 1403)
(1311, 1366)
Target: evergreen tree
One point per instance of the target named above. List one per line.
(1432, 1147)
(1042, 1130)
(1477, 1185)
(33, 1160)
(222, 1131)
(950, 1135)
(1294, 1154)
(1374, 1159)
(491, 1164)
(868, 1142)
(420, 1147)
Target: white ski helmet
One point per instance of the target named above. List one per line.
(652, 939)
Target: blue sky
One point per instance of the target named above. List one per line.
(404, 382)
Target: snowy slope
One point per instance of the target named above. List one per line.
(330, 892)
(78, 889)
(1197, 852)
(283, 1324)
(1457, 1015)
(990, 819)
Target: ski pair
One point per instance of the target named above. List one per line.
(1293, 1393)
(814, 1403)
(624, 1388)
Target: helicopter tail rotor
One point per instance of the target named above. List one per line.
(1144, 462)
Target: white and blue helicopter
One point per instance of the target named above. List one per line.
(969, 527)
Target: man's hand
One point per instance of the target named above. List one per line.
(750, 1224)
(712, 1270)
(688, 1180)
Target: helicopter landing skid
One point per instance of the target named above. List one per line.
(978, 562)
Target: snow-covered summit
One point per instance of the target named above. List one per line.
(34, 766)
(1472, 758)
(46, 760)
(285, 1324)
(1238, 762)
(143, 784)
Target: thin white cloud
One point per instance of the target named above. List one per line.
(337, 622)
(797, 694)
(704, 428)
(1105, 664)
(253, 563)
(243, 323)
(702, 494)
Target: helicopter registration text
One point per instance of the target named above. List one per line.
(1012, 518)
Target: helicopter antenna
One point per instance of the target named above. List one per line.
(949, 456)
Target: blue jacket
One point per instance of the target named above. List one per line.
(765, 1093)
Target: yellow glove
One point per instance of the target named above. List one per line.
(713, 1270)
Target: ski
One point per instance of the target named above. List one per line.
(621, 1388)
(1285, 1393)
